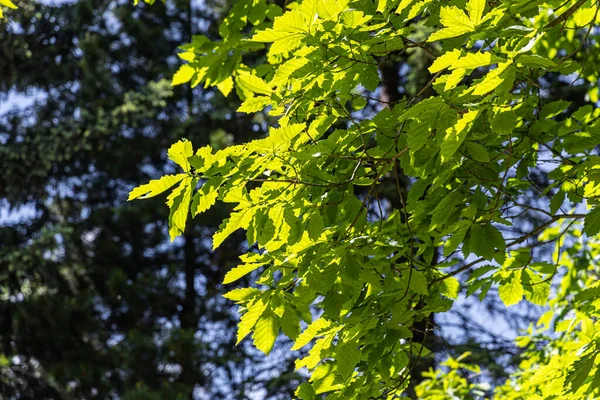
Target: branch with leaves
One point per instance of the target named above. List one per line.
(334, 259)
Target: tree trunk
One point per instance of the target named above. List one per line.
(423, 332)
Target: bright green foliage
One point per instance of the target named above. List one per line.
(8, 4)
(155, 187)
(456, 381)
(360, 276)
(568, 367)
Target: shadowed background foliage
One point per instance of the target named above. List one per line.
(95, 303)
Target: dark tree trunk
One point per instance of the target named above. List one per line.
(423, 331)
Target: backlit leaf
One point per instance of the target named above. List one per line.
(310, 332)
(155, 187)
(237, 220)
(265, 331)
(183, 75)
(179, 153)
(511, 292)
(456, 23)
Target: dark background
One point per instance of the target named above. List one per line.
(94, 300)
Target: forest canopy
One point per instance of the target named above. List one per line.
(376, 202)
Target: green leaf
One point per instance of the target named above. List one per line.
(454, 78)
(595, 385)
(237, 220)
(241, 294)
(475, 9)
(290, 323)
(8, 3)
(353, 18)
(180, 208)
(249, 319)
(310, 332)
(475, 60)
(403, 5)
(456, 238)
(456, 23)
(592, 222)
(240, 271)
(504, 122)
(485, 288)
(321, 243)
(179, 153)
(444, 61)
(283, 73)
(476, 285)
(557, 201)
(206, 197)
(553, 109)
(254, 84)
(347, 356)
(278, 139)
(305, 392)
(331, 9)
(580, 370)
(287, 32)
(315, 225)
(237, 194)
(155, 187)
(587, 295)
(314, 355)
(456, 135)
(511, 290)
(534, 61)
(254, 104)
(494, 78)
(450, 287)
(478, 152)
(418, 282)
(484, 240)
(381, 5)
(324, 379)
(202, 160)
(417, 8)
(538, 293)
(183, 75)
(479, 272)
(225, 86)
(265, 331)
(470, 61)
(431, 113)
